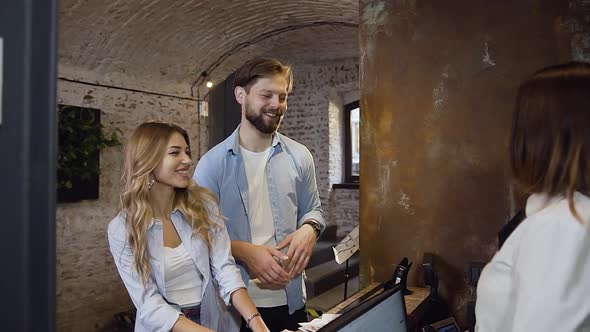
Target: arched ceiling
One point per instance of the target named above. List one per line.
(135, 41)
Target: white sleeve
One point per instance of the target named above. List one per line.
(152, 310)
(223, 264)
(552, 277)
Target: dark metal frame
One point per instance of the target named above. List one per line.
(348, 177)
(27, 171)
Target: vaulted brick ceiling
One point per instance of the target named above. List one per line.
(174, 41)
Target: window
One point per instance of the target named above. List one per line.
(352, 142)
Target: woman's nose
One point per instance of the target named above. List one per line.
(187, 159)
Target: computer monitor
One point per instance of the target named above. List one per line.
(383, 312)
(447, 325)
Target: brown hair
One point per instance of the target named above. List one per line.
(143, 153)
(249, 73)
(550, 141)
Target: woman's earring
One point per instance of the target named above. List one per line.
(151, 183)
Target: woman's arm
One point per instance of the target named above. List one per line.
(231, 285)
(222, 263)
(241, 300)
(184, 324)
(153, 312)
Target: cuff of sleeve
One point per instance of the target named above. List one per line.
(172, 321)
(227, 298)
(313, 215)
(162, 318)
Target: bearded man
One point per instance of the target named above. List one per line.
(267, 188)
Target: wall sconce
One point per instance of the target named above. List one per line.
(203, 78)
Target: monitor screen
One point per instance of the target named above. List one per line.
(446, 325)
(448, 328)
(384, 312)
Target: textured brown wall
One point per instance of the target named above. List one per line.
(438, 80)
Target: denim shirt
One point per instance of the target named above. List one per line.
(154, 313)
(292, 188)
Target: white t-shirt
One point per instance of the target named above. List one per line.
(540, 278)
(182, 278)
(261, 222)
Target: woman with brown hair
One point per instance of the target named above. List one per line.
(169, 242)
(540, 278)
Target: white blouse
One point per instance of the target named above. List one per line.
(154, 313)
(540, 278)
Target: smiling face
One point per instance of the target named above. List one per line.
(173, 169)
(265, 104)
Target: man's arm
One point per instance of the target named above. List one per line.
(309, 205)
(262, 261)
(259, 259)
(309, 208)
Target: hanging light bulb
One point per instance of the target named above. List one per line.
(209, 84)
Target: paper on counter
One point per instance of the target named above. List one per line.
(317, 323)
(347, 247)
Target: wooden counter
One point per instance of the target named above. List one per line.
(412, 301)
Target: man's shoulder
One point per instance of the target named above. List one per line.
(294, 147)
(218, 151)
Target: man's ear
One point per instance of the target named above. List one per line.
(240, 94)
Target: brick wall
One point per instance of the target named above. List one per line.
(314, 118)
(344, 210)
(335, 137)
(174, 41)
(89, 290)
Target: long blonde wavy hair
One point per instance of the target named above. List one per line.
(143, 153)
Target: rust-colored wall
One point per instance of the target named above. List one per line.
(438, 80)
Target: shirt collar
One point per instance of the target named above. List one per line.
(539, 201)
(233, 141)
(153, 222)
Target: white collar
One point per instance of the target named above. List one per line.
(540, 201)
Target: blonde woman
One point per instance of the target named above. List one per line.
(169, 243)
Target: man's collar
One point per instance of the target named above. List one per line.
(233, 143)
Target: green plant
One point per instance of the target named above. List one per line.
(80, 137)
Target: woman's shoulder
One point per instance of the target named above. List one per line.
(117, 226)
(555, 213)
(552, 229)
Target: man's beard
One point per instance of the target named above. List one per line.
(258, 121)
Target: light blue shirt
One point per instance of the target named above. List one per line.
(154, 313)
(292, 188)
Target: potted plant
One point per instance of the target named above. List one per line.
(80, 137)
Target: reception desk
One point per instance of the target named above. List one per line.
(416, 303)
(413, 301)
